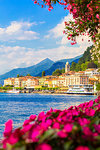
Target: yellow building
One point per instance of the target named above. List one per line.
(76, 79)
(9, 81)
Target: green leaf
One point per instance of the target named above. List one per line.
(9, 147)
(20, 148)
(67, 145)
(46, 135)
(98, 148)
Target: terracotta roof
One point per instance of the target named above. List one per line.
(61, 78)
(91, 69)
(92, 79)
(80, 71)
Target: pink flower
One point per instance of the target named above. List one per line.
(74, 10)
(97, 128)
(68, 38)
(90, 104)
(13, 139)
(75, 21)
(97, 16)
(64, 32)
(82, 148)
(88, 5)
(49, 9)
(68, 127)
(92, 112)
(70, 34)
(41, 116)
(32, 117)
(62, 134)
(56, 125)
(26, 128)
(97, 7)
(26, 122)
(35, 133)
(43, 146)
(69, 7)
(49, 122)
(83, 121)
(80, 22)
(8, 128)
(87, 131)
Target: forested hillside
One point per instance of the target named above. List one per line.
(85, 62)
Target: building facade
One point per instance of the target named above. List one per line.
(67, 67)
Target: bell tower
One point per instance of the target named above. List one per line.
(67, 67)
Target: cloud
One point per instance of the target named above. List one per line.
(18, 57)
(57, 31)
(61, 39)
(18, 31)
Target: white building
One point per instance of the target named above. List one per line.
(67, 67)
(91, 72)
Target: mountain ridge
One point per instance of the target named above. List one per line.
(36, 70)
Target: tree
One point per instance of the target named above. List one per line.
(78, 67)
(86, 56)
(92, 65)
(86, 20)
(63, 70)
(28, 74)
(84, 66)
(73, 66)
(98, 87)
(57, 72)
(43, 73)
(17, 75)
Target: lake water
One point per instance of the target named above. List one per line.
(20, 106)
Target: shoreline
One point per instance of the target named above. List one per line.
(51, 93)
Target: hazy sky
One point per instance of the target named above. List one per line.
(29, 34)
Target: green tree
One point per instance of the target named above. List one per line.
(98, 87)
(63, 70)
(17, 75)
(43, 73)
(73, 66)
(57, 72)
(28, 74)
(84, 66)
(86, 56)
(78, 67)
(92, 65)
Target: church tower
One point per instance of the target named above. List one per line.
(67, 67)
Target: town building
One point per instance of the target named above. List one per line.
(67, 67)
(76, 79)
(9, 81)
(91, 72)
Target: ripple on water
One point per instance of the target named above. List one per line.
(19, 107)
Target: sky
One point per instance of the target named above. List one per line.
(29, 34)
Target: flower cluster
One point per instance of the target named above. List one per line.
(75, 128)
(86, 15)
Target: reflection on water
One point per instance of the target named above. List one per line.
(20, 106)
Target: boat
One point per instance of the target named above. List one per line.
(80, 89)
(13, 91)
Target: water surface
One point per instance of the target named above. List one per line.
(20, 106)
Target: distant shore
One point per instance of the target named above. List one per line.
(50, 92)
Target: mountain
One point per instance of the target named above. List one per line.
(60, 64)
(70, 60)
(46, 65)
(33, 70)
(84, 61)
